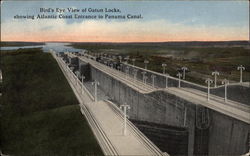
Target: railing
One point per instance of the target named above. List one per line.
(102, 138)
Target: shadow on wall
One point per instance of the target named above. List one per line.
(170, 139)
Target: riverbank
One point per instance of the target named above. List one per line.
(39, 112)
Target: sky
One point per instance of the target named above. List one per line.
(161, 21)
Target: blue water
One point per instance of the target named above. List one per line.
(58, 47)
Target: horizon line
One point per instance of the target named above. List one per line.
(130, 42)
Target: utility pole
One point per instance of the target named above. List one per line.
(215, 73)
(179, 81)
(164, 65)
(146, 62)
(95, 83)
(241, 68)
(153, 80)
(208, 81)
(166, 75)
(125, 107)
(225, 82)
(184, 72)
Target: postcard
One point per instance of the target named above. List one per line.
(167, 77)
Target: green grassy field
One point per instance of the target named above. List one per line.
(201, 59)
(39, 112)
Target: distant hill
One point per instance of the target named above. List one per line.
(170, 44)
(14, 44)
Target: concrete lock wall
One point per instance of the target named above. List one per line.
(236, 93)
(174, 140)
(164, 108)
(228, 135)
(156, 107)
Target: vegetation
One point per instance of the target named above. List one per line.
(39, 112)
(201, 58)
(11, 44)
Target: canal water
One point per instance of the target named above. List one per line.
(58, 47)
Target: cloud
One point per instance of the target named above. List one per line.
(116, 31)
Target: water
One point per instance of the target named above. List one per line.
(58, 47)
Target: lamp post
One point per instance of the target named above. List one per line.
(83, 77)
(215, 73)
(78, 75)
(145, 79)
(241, 68)
(179, 79)
(166, 75)
(135, 73)
(153, 80)
(126, 73)
(164, 65)
(120, 58)
(127, 59)
(125, 107)
(121, 65)
(225, 82)
(133, 60)
(95, 83)
(143, 75)
(72, 72)
(184, 72)
(146, 62)
(208, 81)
